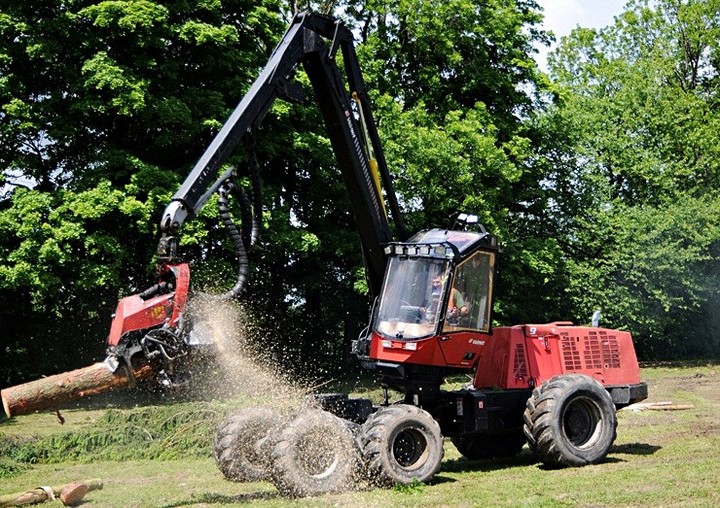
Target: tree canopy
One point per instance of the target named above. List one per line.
(636, 171)
(599, 179)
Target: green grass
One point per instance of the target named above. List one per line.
(160, 456)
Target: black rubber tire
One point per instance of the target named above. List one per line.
(314, 454)
(401, 444)
(570, 420)
(235, 446)
(484, 446)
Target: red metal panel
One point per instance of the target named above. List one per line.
(182, 288)
(463, 349)
(134, 313)
(523, 355)
(604, 354)
(519, 355)
(506, 362)
(395, 351)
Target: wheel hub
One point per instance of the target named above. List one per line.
(409, 448)
(581, 422)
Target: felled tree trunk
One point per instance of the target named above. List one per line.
(69, 494)
(49, 392)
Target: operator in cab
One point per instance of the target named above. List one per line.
(456, 307)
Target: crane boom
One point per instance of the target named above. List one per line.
(311, 40)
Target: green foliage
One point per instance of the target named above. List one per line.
(657, 276)
(124, 95)
(64, 237)
(151, 433)
(105, 106)
(451, 55)
(634, 173)
(475, 170)
(116, 129)
(415, 487)
(9, 464)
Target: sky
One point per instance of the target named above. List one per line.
(561, 16)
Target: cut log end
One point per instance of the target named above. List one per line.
(6, 408)
(72, 494)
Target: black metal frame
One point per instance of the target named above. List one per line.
(313, 41)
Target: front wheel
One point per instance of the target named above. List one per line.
(570, 420)
(401, 444)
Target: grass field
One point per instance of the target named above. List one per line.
(160, 456)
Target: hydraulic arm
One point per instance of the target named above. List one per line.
(313, 41)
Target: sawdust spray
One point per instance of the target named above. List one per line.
(232, 364)
(234, 368)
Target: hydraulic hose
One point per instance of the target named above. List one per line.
(225, 189)
(250, 214)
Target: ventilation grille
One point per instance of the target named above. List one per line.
(520, 363)
(610, 352)
(593, 351)
(601, 351)
(571, 355)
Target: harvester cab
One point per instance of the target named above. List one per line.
(434, 310)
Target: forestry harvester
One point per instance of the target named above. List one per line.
(555, 386)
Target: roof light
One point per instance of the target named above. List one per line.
(466, 219)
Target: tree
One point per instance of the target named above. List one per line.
(634, 158)
(455, 83)
(106, 106)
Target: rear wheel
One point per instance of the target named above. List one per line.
(401, 444)
(235, 446)
(570, 420)
(483, 446)
(314, 454)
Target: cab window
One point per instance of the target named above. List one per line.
(469, 302)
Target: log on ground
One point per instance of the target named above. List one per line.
(41, 494)
(50, 392)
